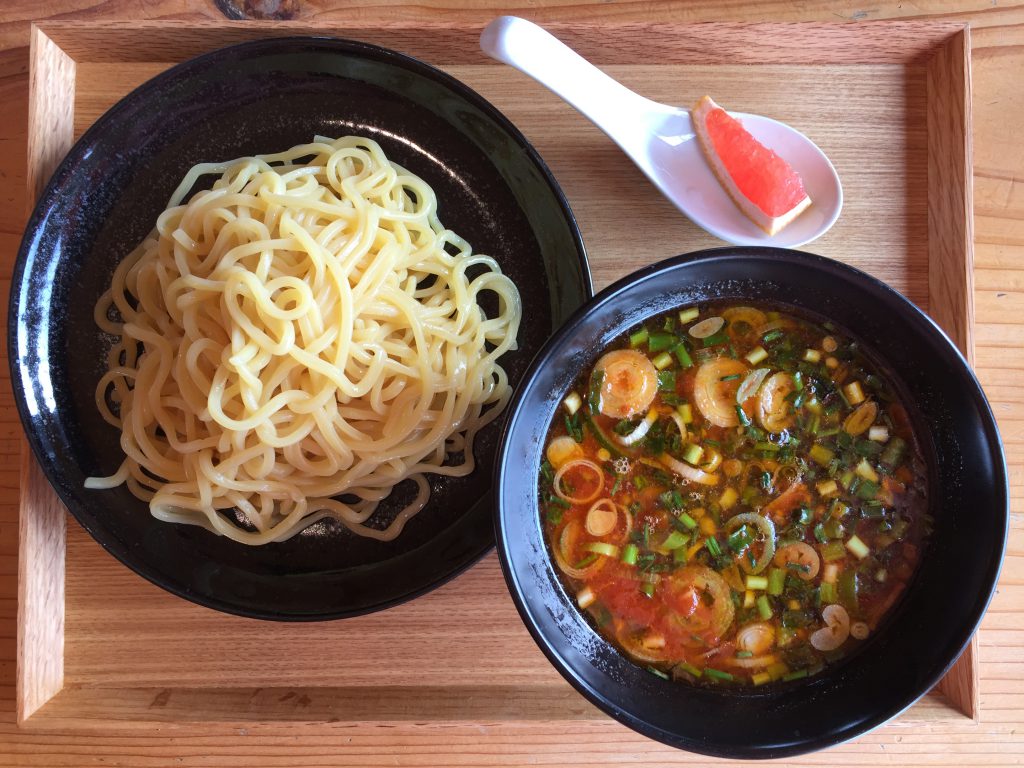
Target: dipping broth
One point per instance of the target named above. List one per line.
(734, 494)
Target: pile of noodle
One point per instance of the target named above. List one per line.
(297, 340)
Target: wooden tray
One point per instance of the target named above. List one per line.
(888, 102)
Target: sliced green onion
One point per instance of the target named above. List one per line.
(692, 454)
(866, 471)
(685, 413)
(686, 520)
(742, 415)
(688, 315)
(730, 377)
(717, 338)
(713, 547)
(821, 454)
(666, 381)
(675, 540)
(662, 361)
(594, 394)
(866, 489)
(772, 335)
(718, 674)
(755, 356)
(819, 533)
(757, 582)
(764, 608)
(776, 581)
(834, 550)
(647, 589)
(658, 672)
(833, 529)
(682, 355)
(799, 674)
(827, 593)
(740, 539)
(638, 338)
(847, 587)
(893, 452)
(657, 342)
(743, 654)
(629, 553)
(857, 547)
(689, 668)
(602, 548)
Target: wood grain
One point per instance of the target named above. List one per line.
(41, 592)
(998, 110)
(610, 42)
(887, 101)
(951, 249)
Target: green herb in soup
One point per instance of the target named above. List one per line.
(734, 495)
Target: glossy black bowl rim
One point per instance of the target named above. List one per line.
(796, 259)
(76, 155)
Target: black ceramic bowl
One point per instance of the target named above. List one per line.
(945, 600)
(263, 97)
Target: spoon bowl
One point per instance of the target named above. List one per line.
(660, 138)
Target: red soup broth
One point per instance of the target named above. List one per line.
(734, 494)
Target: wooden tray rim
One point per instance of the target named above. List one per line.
(943, 48)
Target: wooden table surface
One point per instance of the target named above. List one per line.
(998, 108)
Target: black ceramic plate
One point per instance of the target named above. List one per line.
(928, 629)
(253, 98)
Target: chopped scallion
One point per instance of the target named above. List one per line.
(689, 315)
(602, 548)
(821, 455)
(658, 342)
(675, 540)
(629, 553)
(756, 355)
(662, 361)
(834, 550)
(692, 454)
(687, 667)
(757, 582)
(717, 674)
(638, 338)
(857, 547)
(686, 520)
(682, 355)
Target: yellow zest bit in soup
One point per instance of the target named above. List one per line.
(734, 494)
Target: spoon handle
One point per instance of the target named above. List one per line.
(607, 103)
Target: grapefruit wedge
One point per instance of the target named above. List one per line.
(763, 185)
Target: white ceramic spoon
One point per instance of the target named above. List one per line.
(660, 139)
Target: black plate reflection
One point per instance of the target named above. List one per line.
(968, 497)
(262, 97)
